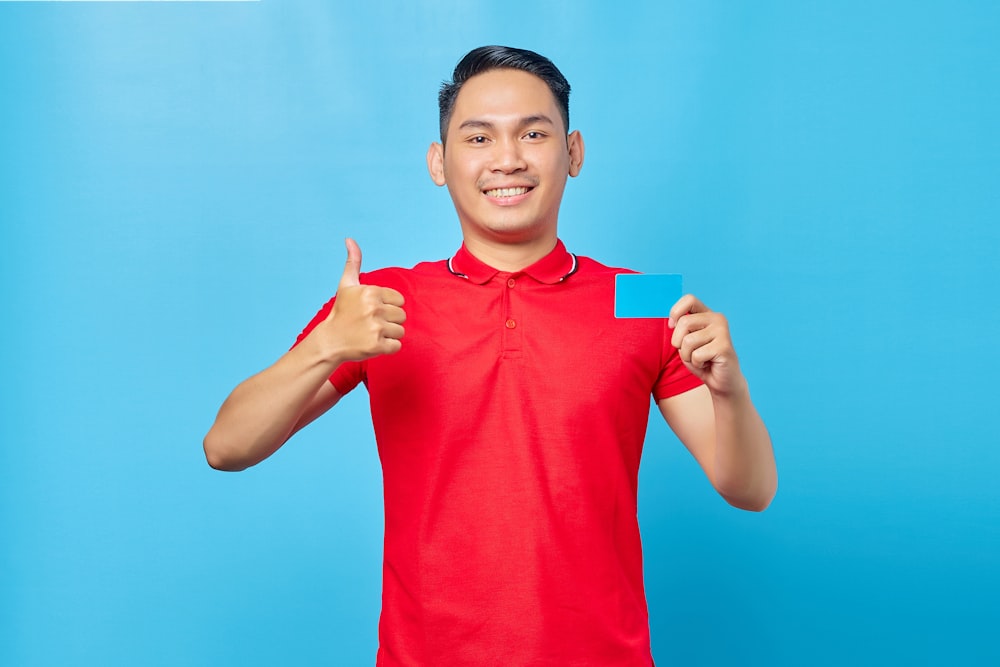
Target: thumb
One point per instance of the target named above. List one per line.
(352, 269)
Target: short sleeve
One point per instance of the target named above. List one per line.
(348, 375)
(674, 376)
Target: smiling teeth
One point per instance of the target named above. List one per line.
(506, 192)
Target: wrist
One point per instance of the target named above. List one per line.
(323, 351)
(733, 392)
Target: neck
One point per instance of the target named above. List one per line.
(510, 257)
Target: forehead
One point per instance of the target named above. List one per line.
(503, 94)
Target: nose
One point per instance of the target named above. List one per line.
(507, 157)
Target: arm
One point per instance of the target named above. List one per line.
(264, 411)
(718, 422)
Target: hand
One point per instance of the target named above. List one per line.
(366, 321)
(701, 337)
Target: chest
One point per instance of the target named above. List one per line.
(520, 337)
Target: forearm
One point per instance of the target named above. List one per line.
(744, 468)
(261, 413)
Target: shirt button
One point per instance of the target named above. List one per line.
(511, 324)
(511, 282)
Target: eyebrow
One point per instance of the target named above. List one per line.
(476, 123)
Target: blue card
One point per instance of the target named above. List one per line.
(646, 294)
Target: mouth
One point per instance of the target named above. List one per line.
(504, 193)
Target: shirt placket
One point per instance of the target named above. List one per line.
(510, 317)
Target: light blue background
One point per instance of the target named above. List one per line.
(177, 181)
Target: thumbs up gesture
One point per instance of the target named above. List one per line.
(366, 321)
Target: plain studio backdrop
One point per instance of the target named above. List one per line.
(177, 182)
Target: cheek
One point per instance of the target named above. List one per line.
(462, 166)
(555, 165)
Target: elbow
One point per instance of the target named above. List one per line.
(758, 504)
(219, 456)
(755, 501)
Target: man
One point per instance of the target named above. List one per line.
(511, 416)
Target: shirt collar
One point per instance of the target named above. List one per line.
(555, 267)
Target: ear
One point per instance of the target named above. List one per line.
(575, 141)
(435, 163)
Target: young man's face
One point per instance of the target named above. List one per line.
(507, 158)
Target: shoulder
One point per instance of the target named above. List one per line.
(391, 276)
(591, 273)
(590, 266)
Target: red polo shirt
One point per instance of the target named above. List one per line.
(510, 428)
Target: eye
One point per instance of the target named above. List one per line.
(477, 139)
(534, 134)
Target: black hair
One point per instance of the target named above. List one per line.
(487, 58)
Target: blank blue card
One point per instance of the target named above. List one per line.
(646, 294)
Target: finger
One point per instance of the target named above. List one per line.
(688, 323)
(686, 304)
(393, 331)
(693, 342)
(392, 297)
(708, 354)
(390, 346)
(393, 314)
(352, 268)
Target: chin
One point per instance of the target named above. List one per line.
(516, 231)
(512, 227)
(517, 223)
